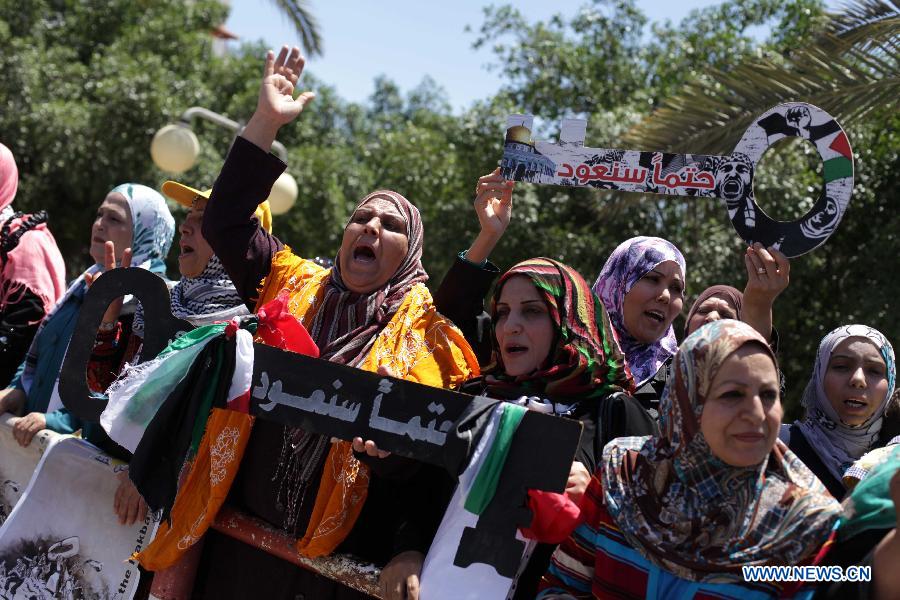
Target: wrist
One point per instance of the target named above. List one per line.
(482, 247)
(261, 130)
(107, 326)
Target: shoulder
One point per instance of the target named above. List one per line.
(420, 344)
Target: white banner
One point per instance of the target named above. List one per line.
(63, 539)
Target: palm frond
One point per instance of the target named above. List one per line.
(305, 23)
(849, 71)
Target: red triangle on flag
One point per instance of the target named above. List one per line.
(842, 145)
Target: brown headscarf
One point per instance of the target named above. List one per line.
(345, 327)
(734, 297)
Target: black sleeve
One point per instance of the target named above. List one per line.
(617, 415)
(235, 235)
(460, 298)
(19, 322)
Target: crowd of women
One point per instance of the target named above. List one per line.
(684, 474)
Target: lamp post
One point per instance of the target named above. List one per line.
(175, 148)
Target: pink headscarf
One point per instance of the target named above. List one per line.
(9, 177)
(34, 263)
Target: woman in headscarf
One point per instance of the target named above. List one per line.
(684, 511)
(554, 351)
(32, 271)
(642, 287)
(371, 310)
(768, 274)
(131, 216)
(203, 295)
(844, 402)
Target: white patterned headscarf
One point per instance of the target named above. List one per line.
(837, 444)
(153, 226)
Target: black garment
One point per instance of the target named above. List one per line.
(234, 234)
(650, 392)
(460, 298)
(799, 445)
(18, 324)
(858, 550)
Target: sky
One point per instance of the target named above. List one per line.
(408, 39)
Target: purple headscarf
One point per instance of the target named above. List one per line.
(630, 261)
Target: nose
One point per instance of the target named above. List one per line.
(185, 228)
(665, 295)
(373, 226)
(858, 378)
(753, 410)
(512, 324)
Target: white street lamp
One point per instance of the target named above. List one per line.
(175, 149)
(283, 194)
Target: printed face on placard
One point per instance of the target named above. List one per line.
(821, 224)
(733, 177)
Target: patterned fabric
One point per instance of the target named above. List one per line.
(869, 461)
(586, 361)
(29, 257)
(153, 226)
(628, 263)
(839, 445)
(149, 248)
(599, 561)
(694, 515)
(207, 298)
(870, 505)
(734, 296)
(417, 344)
(203, 491)
(347, 322)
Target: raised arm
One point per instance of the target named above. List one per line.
(246, 179)
(460, 296)
(768, 274)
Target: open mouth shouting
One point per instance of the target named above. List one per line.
(364, 254)
(186, 250)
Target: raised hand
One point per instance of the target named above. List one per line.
(111, 316)
(768, 274)
(493, 206)
(276, 94)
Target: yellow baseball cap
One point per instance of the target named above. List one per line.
(184, 195)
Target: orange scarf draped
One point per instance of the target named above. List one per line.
(204, 489)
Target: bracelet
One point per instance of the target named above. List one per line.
(107, 327)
